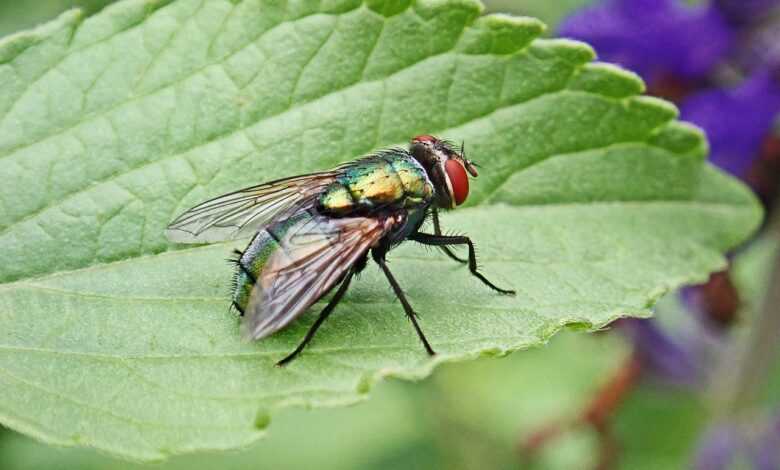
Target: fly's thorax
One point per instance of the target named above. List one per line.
(392, 180)
(337, 199)
(414, 180)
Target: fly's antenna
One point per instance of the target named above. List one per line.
(468, 162)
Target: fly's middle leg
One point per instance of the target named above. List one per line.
(380, 260)
(320, 320)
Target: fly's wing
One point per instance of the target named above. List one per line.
(310, 254)
(242, 213)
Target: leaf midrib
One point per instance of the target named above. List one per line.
(638, 204)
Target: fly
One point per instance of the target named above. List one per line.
(313, 233)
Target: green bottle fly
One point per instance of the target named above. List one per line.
(314, 232)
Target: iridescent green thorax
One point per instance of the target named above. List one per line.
(391, 180)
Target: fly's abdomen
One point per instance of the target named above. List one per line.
(385, 181)
(250, 265)
(249, 268)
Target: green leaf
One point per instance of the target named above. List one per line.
(593, 203)
(467, 415)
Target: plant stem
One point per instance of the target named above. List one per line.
(597, 414)
(744, 367)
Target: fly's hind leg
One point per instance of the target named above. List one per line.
(379, 257)
(320, 320)
(444, 240)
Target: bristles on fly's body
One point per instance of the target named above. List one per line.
(235, 260)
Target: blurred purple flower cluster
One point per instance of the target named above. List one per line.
(737, 120)
(655, 38)
(724, 445)
(720, 62)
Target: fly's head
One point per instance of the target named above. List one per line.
(447, 168)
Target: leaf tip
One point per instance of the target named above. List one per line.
(667, 107)
(364, 385)
(501, 34)
(387, 8)
(682, 138)
(580, 325)
(607, 80)
(429, 8)
(494, 353)
(574, 52)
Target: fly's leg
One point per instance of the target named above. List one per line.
(320, 320)
(444, 240)
(437, 231)
(407, 308)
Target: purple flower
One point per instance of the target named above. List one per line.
(759, 48)
(655, 38)
(718, 448)
(746, 11)
(661, 354)
(731, 441)
(766, 455)
(736, 120)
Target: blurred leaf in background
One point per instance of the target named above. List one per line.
(17, 15)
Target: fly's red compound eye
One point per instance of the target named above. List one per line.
(458, 179)
(425, 138)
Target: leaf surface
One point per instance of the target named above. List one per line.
(593, 202)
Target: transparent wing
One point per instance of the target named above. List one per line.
(242, 213)
(311, 255)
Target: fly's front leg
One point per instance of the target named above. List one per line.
(437, 231)
(445, 240)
